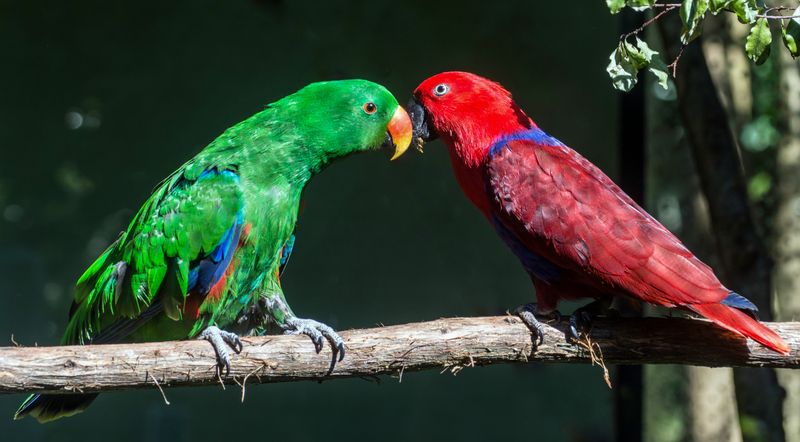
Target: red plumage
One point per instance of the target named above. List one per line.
(577, 233)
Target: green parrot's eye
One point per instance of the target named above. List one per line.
(441, 89)
(369, 108)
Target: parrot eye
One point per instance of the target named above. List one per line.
(441, 89)
(369, 108)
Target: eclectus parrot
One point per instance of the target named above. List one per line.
(207, 248)
(576, 233)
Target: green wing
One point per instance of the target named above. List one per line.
(173, 241)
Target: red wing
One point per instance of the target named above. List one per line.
(567, 210)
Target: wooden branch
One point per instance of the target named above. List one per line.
(442, 344)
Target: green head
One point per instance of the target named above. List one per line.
(337, 118)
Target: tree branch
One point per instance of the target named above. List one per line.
(443, 344)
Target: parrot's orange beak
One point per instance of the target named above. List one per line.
(400, 130)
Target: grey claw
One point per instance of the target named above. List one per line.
(318, 331)
(319, 344)
(580, 322)
(526, 313)
(220, 340)
(238, 347)
(341, 351)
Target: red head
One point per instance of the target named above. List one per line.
(467, 111)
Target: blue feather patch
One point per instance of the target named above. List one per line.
(208, 270)
(535, 265)
(286, 252)
(534, 135)
(736, 300)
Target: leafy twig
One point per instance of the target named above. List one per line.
(673, 67)
(629, 58)
(649, 22)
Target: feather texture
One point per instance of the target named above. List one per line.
(210, 240)
(575, 231)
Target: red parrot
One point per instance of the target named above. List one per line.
(576, 233)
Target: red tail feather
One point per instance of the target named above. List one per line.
(739, 322)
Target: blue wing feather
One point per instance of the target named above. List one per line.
(286, 252)
(206, 271)
(535, 135)
(535, 265)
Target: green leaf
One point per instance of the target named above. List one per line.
(621, 70)
(791, 34)
(629, 58)
(639, 5)
(639, 54)
(718, 5)
(745, 10)
(615, 5)
(757, 43)
(659, 69)
(692, 14)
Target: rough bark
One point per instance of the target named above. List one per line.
(746, 267)
(786, 275)
(443, 344)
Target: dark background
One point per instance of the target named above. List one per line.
(100, 101)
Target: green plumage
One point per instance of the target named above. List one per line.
(246, 185)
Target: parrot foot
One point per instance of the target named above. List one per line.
(527, 313)
(580, 321)
(317, 331)
(221, 340)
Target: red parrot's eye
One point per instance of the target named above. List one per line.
(441, 89)
(369, 108)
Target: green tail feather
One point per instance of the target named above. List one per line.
(49, 407)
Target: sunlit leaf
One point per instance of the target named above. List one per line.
(758, 42)
(746, 10)
(718, 5)
(640, 5)
(629, 58)
(639, 54)
(692, 14)
(791, 34)
(621, 70)
(659, 69)
(615, 5)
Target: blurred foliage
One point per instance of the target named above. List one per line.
(759, 138)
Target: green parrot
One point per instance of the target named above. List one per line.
(206, 250)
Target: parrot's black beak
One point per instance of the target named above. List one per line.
(423, 132)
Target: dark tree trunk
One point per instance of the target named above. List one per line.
(746, 267)
(628, 399)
